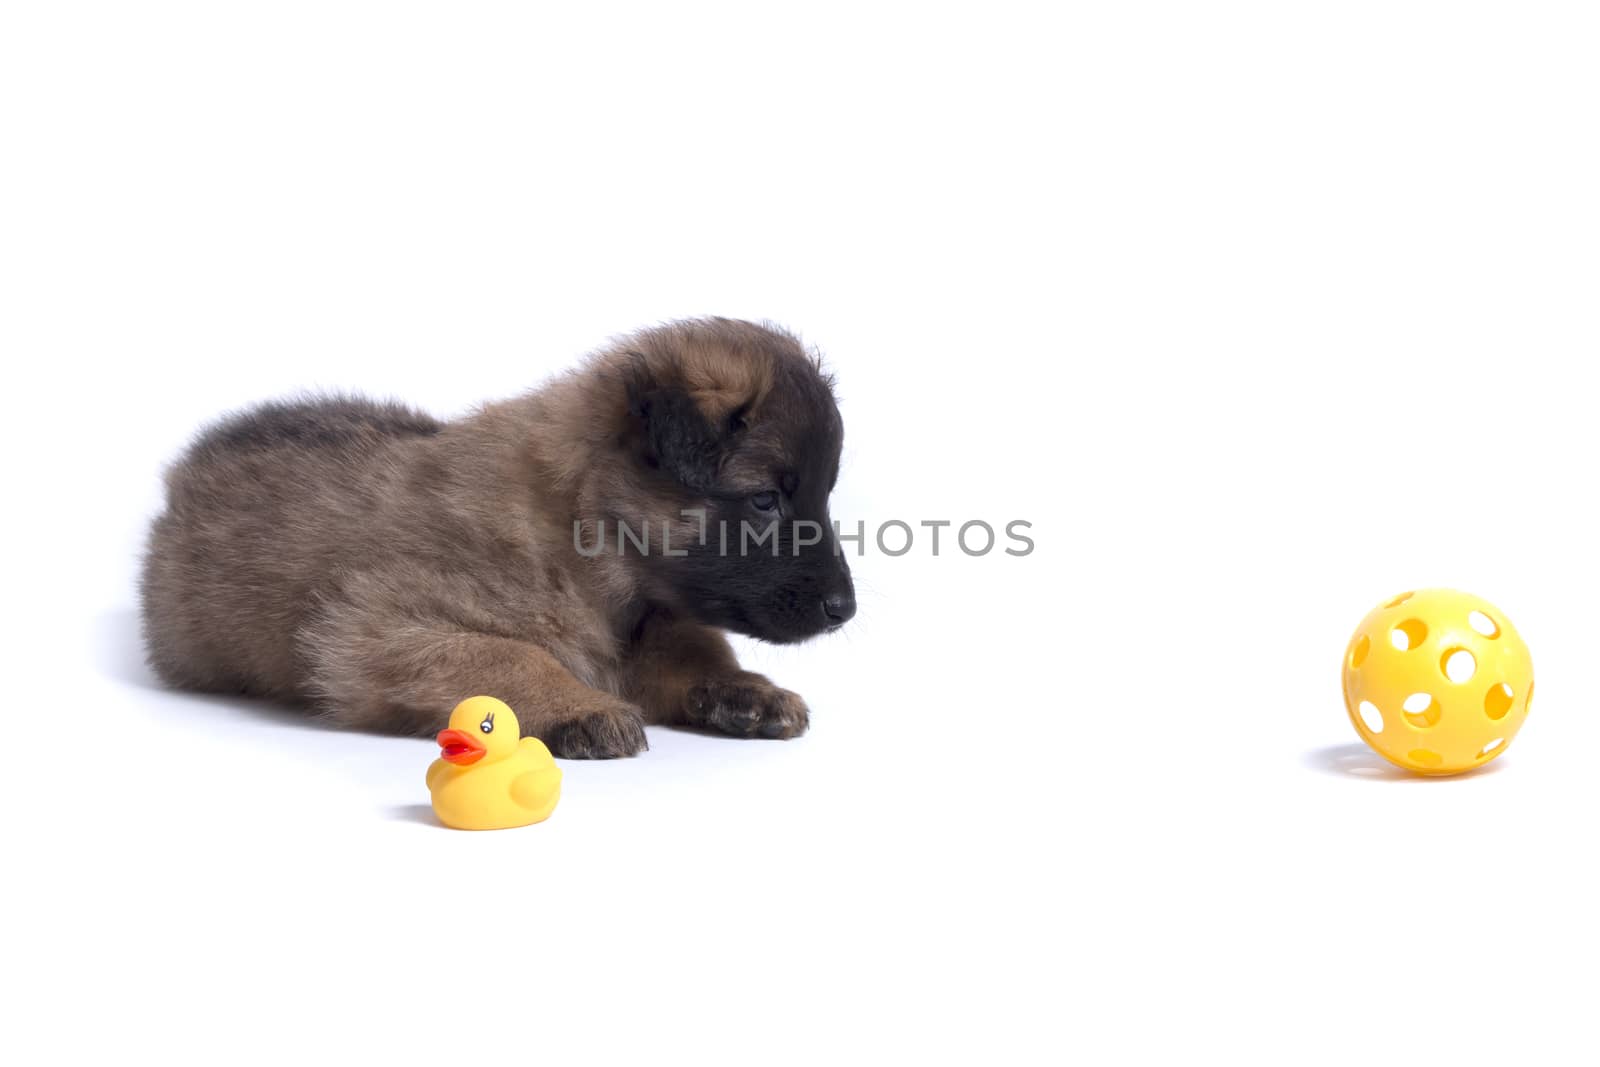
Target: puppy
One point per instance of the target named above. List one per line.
(576, 552)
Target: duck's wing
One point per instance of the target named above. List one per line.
(436, 771)
(532, 789)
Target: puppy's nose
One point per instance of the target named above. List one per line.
(839, 607)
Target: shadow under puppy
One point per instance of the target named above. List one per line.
(379, 565)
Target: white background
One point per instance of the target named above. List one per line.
(1259, 312)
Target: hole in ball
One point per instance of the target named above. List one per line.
(1371, 717)
(1358, 654)
(1497, 701)
(1459, 665)
(1422, 710)
(1408, 635)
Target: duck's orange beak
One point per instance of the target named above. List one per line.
(460, 748)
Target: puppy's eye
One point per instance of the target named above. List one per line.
(767, 501)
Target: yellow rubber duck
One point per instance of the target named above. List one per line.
(487, 776)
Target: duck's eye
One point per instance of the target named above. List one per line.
(764, 501)
(487, 725)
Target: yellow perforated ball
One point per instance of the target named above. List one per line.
(1437, 681)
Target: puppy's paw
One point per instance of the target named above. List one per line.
(597, 734)
(748, 705)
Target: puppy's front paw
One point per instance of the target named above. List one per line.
(603, 734)
(748, 705)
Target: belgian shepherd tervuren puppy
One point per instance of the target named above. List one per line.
(576, 552)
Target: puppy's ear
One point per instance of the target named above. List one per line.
(673, 434)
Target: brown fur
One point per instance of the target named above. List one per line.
(379, 565)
